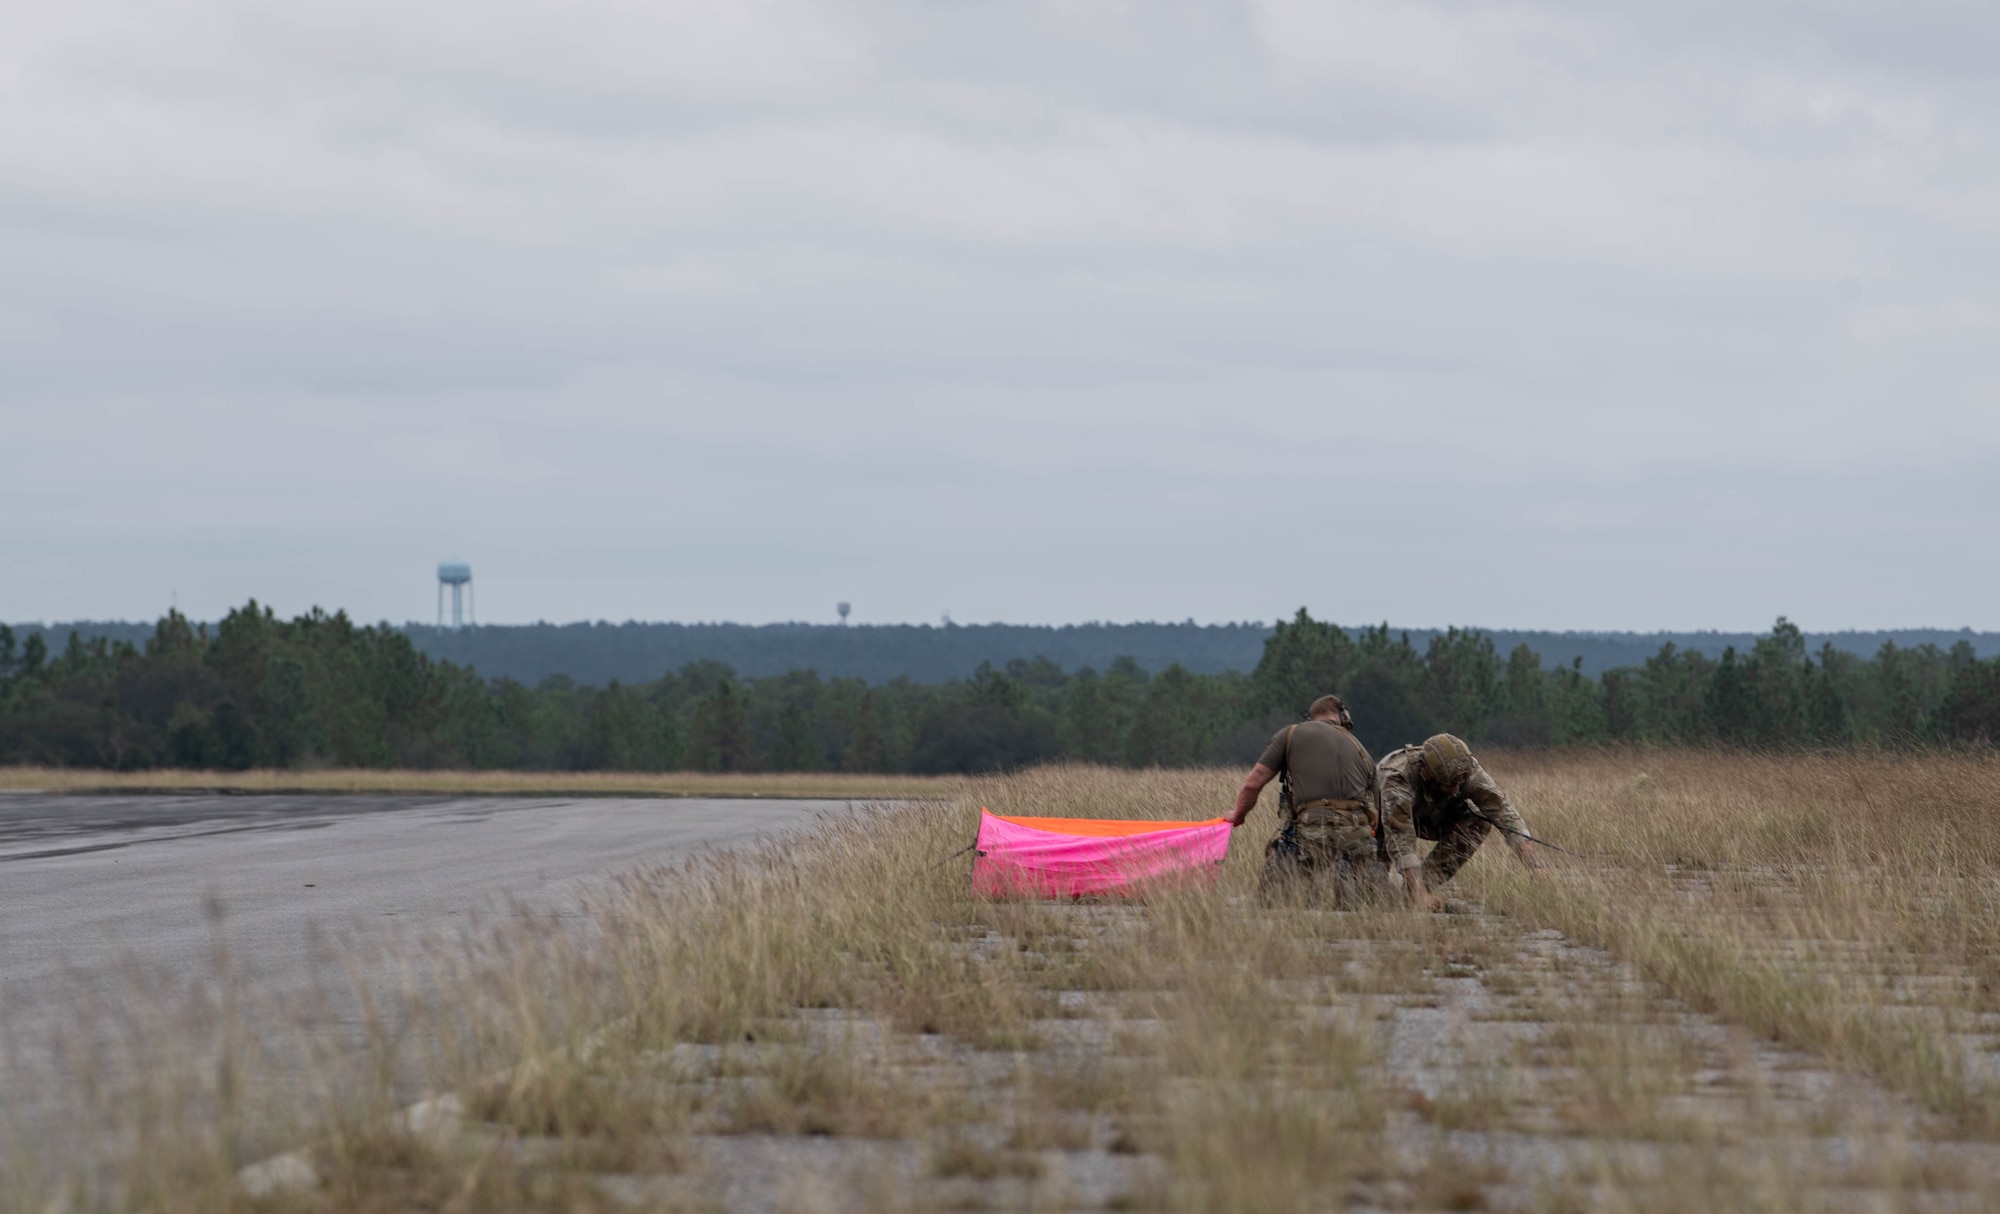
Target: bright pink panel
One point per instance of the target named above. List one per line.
(1020, 862)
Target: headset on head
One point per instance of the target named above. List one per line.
(1346, 718)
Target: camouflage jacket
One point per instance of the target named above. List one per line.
(1406, 803)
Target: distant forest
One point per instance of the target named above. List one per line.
(255, 690)
(599, 653)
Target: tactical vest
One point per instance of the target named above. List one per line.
(1430, 815)
(1313, 819)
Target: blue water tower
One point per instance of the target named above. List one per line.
(457, 575)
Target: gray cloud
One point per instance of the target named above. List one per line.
(1541, 314)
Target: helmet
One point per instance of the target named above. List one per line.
(1445, 761)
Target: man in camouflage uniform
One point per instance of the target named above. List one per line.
(1327, 811)
(1439, 791)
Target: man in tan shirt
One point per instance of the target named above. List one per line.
(1327, 812)
(1439, 791)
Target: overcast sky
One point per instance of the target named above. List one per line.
(1668, 314)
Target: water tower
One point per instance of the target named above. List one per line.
(844, 608)
(458, 576)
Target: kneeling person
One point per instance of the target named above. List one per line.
(1330, 813)
(1439, 791)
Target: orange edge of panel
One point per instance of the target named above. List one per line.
(1098, 827)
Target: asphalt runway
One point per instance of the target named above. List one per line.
(101, 897)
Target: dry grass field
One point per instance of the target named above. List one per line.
(1771, 986)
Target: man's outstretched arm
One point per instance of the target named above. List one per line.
(1246, 797)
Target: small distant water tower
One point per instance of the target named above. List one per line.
(844, 608)
(457, 575)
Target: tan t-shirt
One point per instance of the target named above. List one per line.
(1327, 763)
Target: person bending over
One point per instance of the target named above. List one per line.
(1438, 791)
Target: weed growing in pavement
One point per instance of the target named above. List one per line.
(1841, 903)
(1783, 964)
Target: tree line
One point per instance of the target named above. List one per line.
(319, 690)
(925, 653)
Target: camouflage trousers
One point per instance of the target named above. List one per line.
(1328, 853)
(1458, 834)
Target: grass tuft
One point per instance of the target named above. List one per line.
(1765, 955)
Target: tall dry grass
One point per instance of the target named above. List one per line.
(1844, 903)
(1199, 1050)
